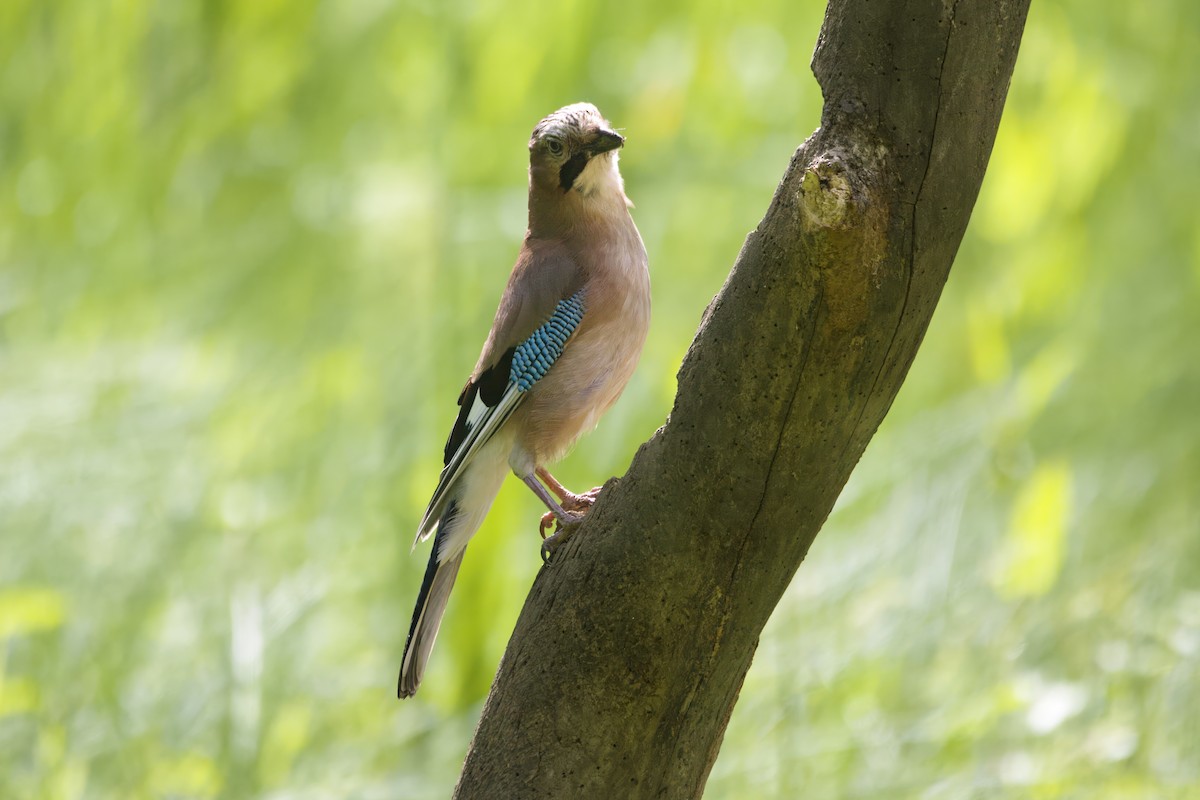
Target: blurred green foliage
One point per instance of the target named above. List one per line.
(249, 250)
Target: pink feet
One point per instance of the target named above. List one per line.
(576, 506)
(563, 515)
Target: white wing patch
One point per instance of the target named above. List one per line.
(482, 423)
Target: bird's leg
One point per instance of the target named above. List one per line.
(557, 513)
(570, 501)
(559, 490)
(567, 512)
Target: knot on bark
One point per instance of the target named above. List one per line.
(824, 197)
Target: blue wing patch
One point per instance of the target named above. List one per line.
(534, 356)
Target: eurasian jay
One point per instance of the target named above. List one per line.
(565, 341)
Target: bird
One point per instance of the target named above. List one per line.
(566, 338)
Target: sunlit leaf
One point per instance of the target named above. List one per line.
(30, 609)
(1037, 535)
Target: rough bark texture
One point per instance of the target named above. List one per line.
(629, 654)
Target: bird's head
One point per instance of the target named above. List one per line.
(574, 149)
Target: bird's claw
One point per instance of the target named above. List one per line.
(552, 543)
(546, 523)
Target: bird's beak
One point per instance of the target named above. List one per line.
(604, 141)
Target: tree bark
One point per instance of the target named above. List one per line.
(628, 657)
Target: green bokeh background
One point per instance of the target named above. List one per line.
(249, 251)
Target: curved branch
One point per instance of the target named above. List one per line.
(632, 646)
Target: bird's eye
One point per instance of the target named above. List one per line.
(554, 146)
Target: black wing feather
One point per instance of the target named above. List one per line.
(489, 388)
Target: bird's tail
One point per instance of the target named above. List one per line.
(427, 616)
(462, 516)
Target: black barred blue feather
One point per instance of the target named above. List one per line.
(534, 356)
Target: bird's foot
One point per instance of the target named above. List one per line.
(551, 519)
(581, 502)
(574, 507)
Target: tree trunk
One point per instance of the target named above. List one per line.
(630, 652)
